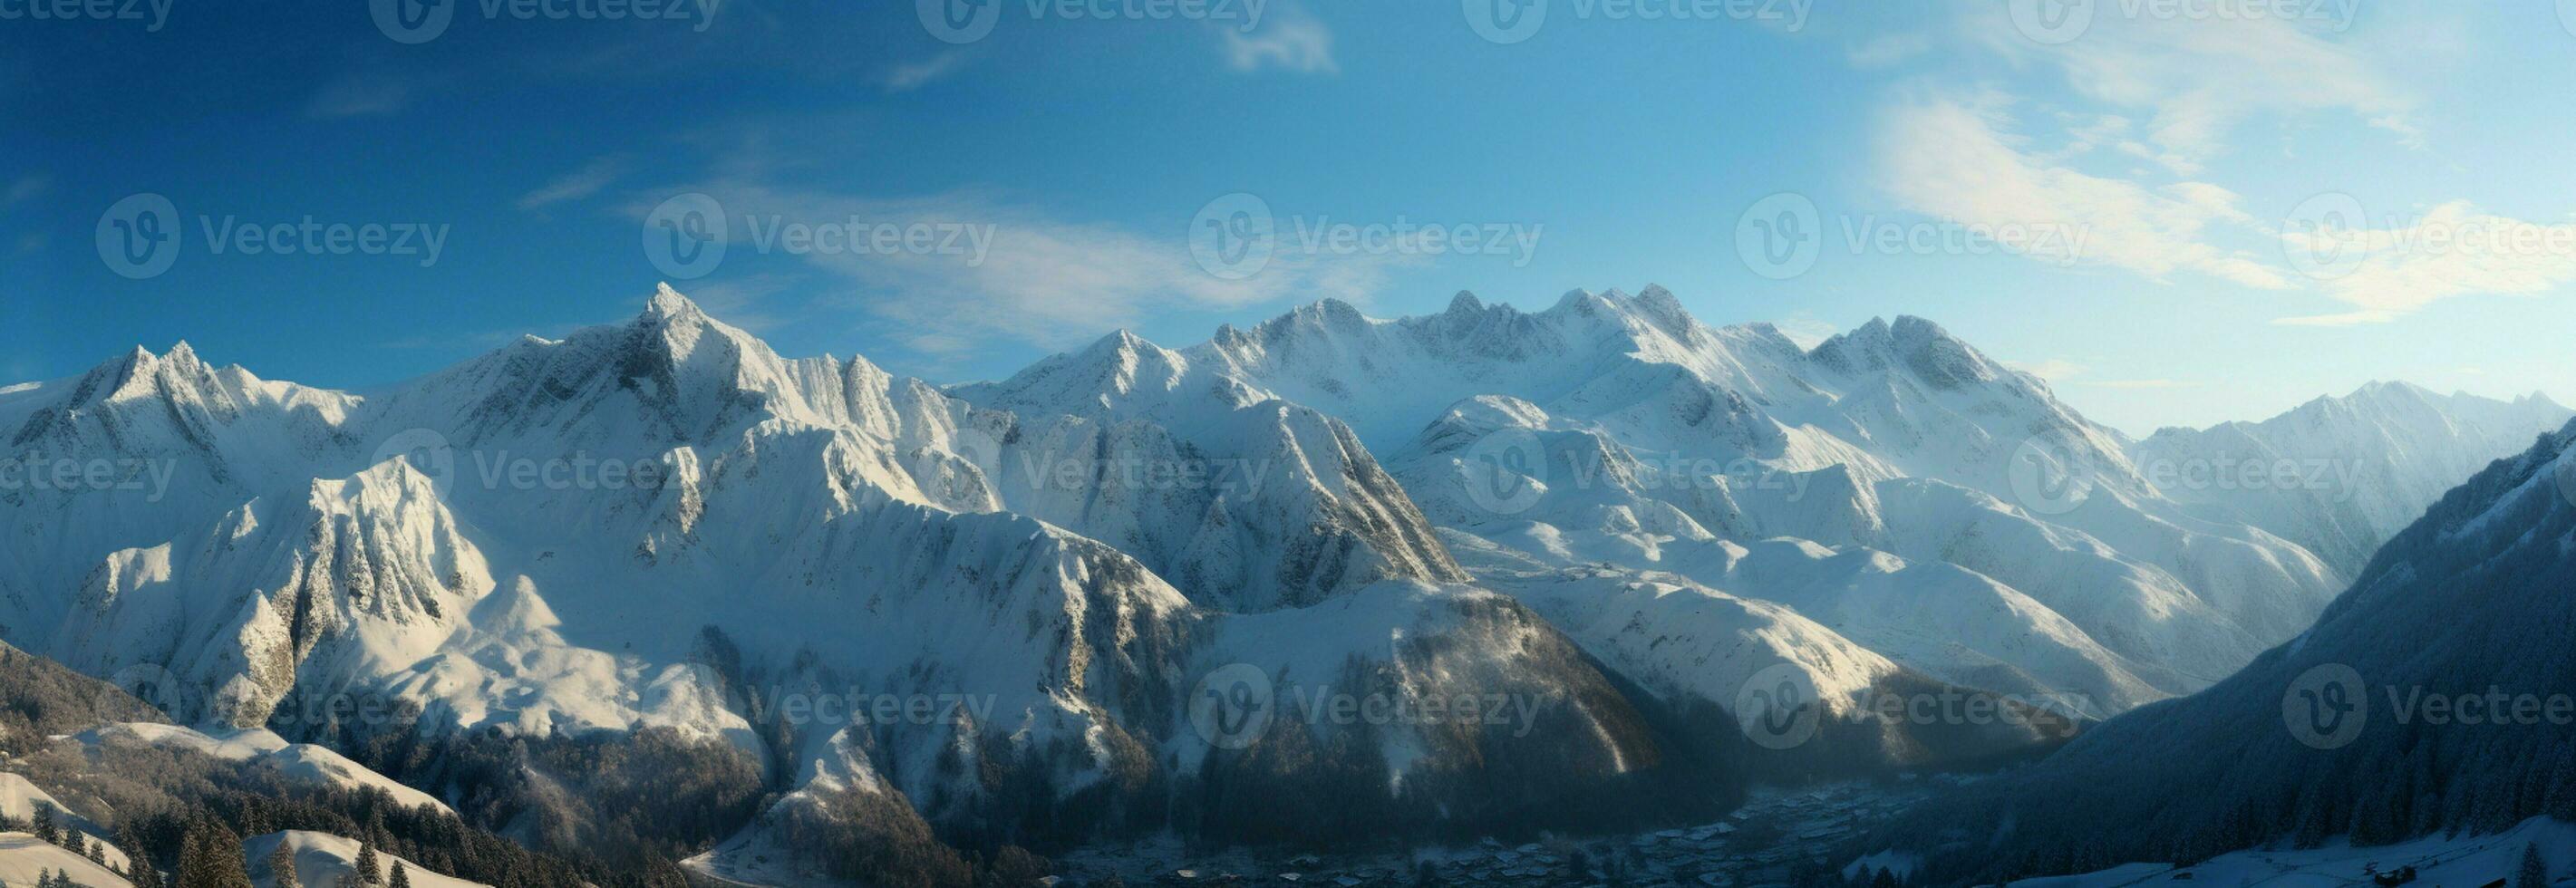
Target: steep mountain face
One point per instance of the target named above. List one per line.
(2340, 476)
(135, 451)
(2429, 697)
(1618, 429)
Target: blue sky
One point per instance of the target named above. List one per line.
(1036, 180)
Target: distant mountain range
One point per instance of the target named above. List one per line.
(1122, 582)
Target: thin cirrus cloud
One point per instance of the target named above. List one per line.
(908, 77)
(1957, 158)
(1293, 40)
(1044, 281)
(2450, 251)
(360, 97)
(2196, 79)
(575, 185)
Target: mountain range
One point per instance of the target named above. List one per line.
(1123, 590)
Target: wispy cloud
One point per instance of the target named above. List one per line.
(360, 97)
(2451, 251)
(575, 185)
(1045, 280)
(2053, 369)
(2198, 77)
(1293, 39)
(25, 189)
(1888, 50)
(909, 77)
(1958, 159)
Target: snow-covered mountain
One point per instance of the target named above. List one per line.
(1611, 520)
(1615, 429)
(2430, 698)
(551, 540)
(2342, 475)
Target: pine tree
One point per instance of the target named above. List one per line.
(98, 852)
(281, 866)
(138, 859)
(213, 858)
(401, 879)
(368, 871)
(2535, 872)
(45, 828)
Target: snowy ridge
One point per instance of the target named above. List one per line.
(1646, 436)
(2363, 466)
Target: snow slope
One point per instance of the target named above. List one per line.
(323, 859)
(296, 761)
(2359, 468)
(2466, 860)
(2467, 605)
(23, 857)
